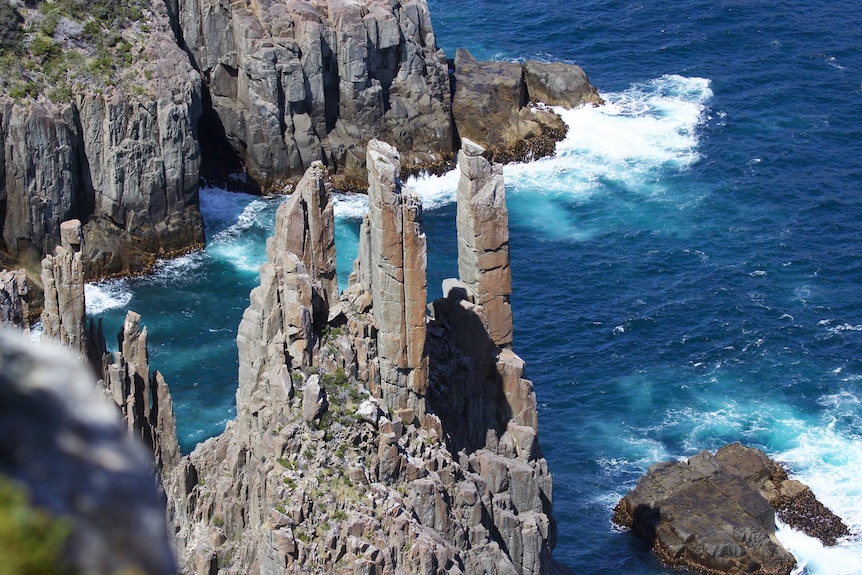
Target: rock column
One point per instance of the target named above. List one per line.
(63, 279)
(397, 275)
(144, 399)
(483, 240)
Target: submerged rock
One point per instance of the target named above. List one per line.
(716, 513)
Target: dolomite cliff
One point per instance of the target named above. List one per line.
(125, 162)
(371, 438)
(296, 82)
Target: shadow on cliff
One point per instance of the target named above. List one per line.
(465, 388)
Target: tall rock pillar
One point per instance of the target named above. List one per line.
(63, 279)
(398, 257)
(483, 240)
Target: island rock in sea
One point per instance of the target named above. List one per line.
(377, 440)
(716, 513)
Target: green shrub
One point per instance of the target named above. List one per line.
(11, 34)
(30, 539)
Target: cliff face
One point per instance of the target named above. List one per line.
(122, 157)
(303, 81)
(379, 441)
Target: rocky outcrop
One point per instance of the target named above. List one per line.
(303, 81)
(63, 441)
(716, 513)
(305, 227)
(14, 301)
(495, 104)
(64, 313)
(143, 399)
(331, 468)
(123, 159)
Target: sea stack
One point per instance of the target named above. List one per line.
(352, 452)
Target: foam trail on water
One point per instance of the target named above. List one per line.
(234, 223)
(827, 456)
(104, 295)
(639, 133)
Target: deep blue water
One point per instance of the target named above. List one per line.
(686, 269)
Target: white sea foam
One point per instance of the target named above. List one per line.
(350, 206)
(104, 295)
(436, 191)
(827, 457)
(652, 126)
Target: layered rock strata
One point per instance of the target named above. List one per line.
(483, 240)
(124, 161)
(61, 439)
(303, 81)
(495, 104)
(326, 470)
(716, 513)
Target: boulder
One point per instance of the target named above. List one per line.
(496, 104)
(716, 513)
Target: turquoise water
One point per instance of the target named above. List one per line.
(686, 269)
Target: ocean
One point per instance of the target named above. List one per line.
(686, 269)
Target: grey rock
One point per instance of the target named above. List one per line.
(313, 400)
(716, 513)
(14, 301)
(124, 164)
(65, 442)
(299, 82)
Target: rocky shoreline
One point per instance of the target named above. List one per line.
(186, 89)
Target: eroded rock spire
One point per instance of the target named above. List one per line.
(392, 262)
(483, 240)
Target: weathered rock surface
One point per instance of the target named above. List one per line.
(303, 81)
(142, 398)
(124, 163)
(483, 240)
(65, 442)
(393, 264)
(492, 104)
(14, 301)
(716, 513)
(64, 312)
(327, 470)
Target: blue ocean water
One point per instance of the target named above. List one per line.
(686, 269)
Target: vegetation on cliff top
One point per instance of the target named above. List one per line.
(57, 47)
